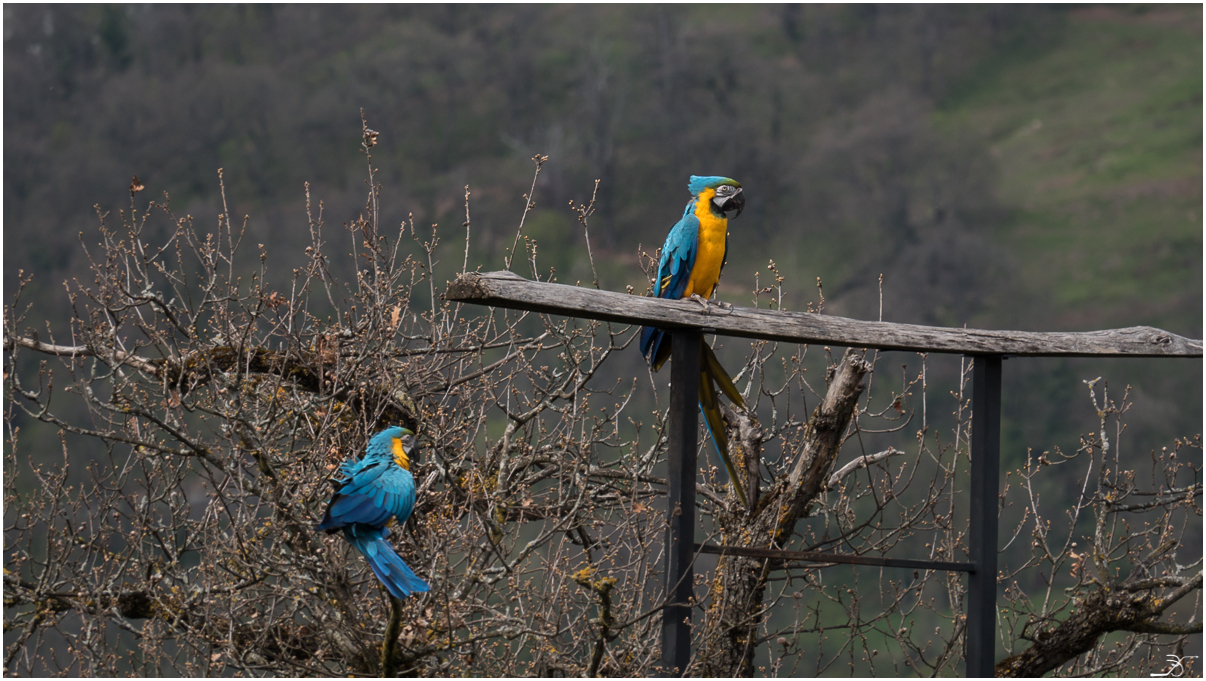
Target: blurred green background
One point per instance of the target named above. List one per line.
(1029, 167)
(1020, 166)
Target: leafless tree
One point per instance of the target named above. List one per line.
(1125, 577)
(219, 407)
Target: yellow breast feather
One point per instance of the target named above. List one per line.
(713, 231)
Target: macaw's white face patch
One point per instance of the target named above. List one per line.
(400, 454)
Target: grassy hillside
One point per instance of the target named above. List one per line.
(1098, 141)
(1096, 138)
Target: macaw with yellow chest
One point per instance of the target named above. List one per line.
(690, 265)
(371, 494)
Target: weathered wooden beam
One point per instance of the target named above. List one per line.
(506, 289)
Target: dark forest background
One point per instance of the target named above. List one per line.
(1028, 167)
(1021, 167)
(1000, 165)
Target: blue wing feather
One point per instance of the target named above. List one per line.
(673, 273)
(371, 492)
(678, 255)
(357, 509)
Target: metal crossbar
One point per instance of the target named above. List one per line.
(839, 558)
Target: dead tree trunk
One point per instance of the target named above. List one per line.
(736, 610)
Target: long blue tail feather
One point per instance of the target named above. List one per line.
(393, 573)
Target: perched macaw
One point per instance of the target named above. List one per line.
(373, 492)
(690, 266)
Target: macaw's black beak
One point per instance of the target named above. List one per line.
(731, 204)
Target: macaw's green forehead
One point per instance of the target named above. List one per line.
(391, 433)
(699, 183)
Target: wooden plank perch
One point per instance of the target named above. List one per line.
(509, 290)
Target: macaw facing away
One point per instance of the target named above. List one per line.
(373, 492)
(692, 258)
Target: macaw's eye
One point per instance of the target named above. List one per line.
(725, 190)
(408, 441)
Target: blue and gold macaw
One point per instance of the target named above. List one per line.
(692, 258)
(371, 494)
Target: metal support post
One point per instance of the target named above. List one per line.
(681, 467)
(985, 492)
